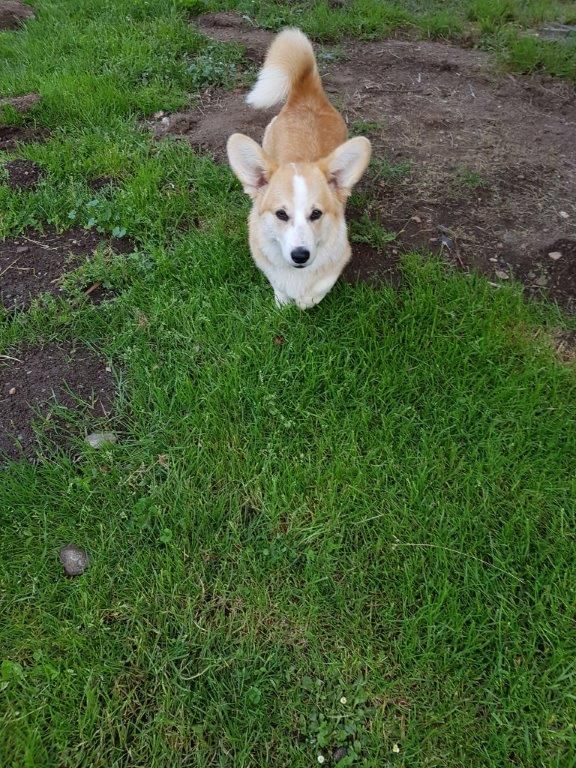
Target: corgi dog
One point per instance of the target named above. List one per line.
(300, 178)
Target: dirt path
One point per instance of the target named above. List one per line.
(478, 165)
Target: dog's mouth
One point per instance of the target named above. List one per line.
(300, 266)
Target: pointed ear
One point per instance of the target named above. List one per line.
(249, 162)
(345, 166)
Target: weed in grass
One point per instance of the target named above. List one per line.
(365, 127)
(382, 170)
(328, 55)
(336, 718)
(217, 65)
(467, 177)
(368, 231)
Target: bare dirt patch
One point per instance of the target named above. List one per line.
(228, 27)
(491, 184)
(22, 174)
(34, 263)
(564, 343)
(492, 172)
(552, 272)
(21, 103)
(36, 383)
(13, 135)
(368, 265)
(208, 126)
(101, 182)
(13, 14)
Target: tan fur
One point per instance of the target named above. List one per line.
(304, 162)
(308, 127)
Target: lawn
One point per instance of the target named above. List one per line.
(344, 536)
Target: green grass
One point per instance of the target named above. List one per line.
(502, 26)
(382, 170)
(379, 509)
(367, 230)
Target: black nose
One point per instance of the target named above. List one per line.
(300, 255)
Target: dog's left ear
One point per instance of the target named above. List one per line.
(345, 166)
(249, 162)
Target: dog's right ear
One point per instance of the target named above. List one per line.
(249, 162)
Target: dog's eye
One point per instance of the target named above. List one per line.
(282, 215)
(315, 215)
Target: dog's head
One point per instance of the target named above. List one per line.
(298, 204)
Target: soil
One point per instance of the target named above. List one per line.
(209, 125)
(491, 183)
(564, 343)
(36, 382)
(368, 265)
(13, 135)
(21, 103)
(13, 14)
(101, 182)
(34, 263)
(228, 27)
(22, 174)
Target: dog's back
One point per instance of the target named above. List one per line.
(308, 127)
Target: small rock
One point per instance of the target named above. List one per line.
(541, 281)
(492, 259)
(563, 214)
(417, 219)
(12, 391)
(22, 249)
(502, 275)
(74, 560)
(96, 439)
(158, 115)
(555, 255)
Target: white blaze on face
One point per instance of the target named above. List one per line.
(300, 201)
(299, 231)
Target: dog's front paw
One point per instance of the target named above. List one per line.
(307, 302)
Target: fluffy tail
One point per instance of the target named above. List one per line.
(289, 63)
